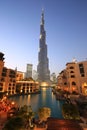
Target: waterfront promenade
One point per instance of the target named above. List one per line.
(52, 123)
(38, 98)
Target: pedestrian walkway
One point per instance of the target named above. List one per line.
(84, 124)
(3, 119)
(63, 124)
(36, 128)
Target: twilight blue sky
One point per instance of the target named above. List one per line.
(65, 25)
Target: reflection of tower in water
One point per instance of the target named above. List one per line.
(28, 102)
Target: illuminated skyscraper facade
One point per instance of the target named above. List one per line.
(43, 61)
(28, 73)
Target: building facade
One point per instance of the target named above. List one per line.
(20, 75)
(34, 75)
(28, 73)
(7, 78)
(53, 78)
(13, 81)
(74, 77)
(27, 87)
(43, 61)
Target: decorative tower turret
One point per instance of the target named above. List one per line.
(43, 61)
(1, 62)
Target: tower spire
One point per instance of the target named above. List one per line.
(43, 61)
(42, 17)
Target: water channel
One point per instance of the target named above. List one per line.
(45, 99)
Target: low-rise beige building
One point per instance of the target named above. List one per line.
(25, 86)
(12, 81)
(19, 75)
(7, 78)
(74, 77)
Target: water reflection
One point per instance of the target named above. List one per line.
(45, 98)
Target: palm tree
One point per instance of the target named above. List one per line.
(30, 116)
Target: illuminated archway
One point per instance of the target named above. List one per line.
(84, 88)
(44, 84)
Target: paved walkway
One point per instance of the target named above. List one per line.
(36, 128)
(3, 118)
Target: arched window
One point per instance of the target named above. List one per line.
(9, 84)
(73, 83)
(23, 88)
(65, 83)
(1, 84)
(71, 71)
(27, 84)
(72, 76)
(13, 84)
(71, 67)
(9, 88)
(24, 84)
(13, 88)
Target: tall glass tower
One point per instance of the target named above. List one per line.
(43, 61)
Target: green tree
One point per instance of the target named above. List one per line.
(70, 111)
(23, 111)
(27, 113)
(16, 123)
(44, 113)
